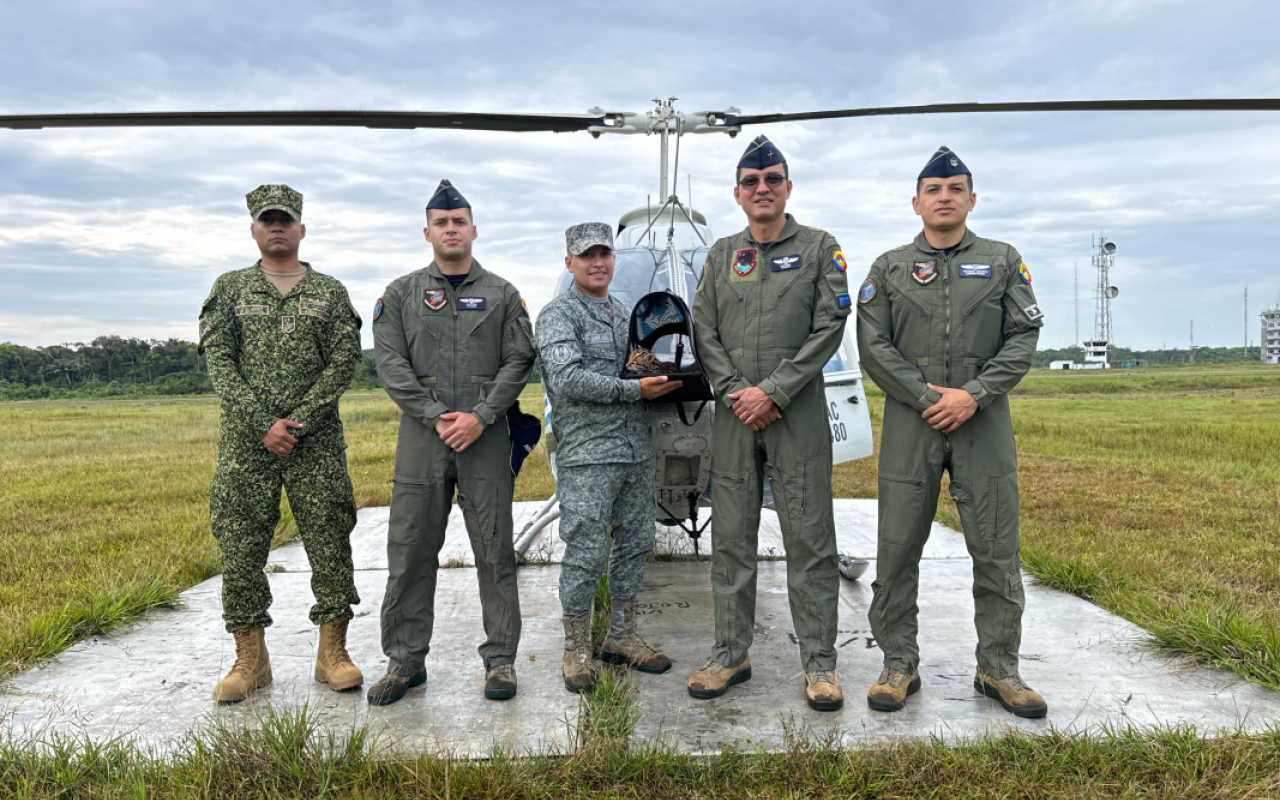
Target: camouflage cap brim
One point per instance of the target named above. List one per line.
(580, 238)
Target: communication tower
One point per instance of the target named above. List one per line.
(1097, 350)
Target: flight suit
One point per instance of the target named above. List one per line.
(973, 325)
(439, 351)
(274, 357)
(604, 450)
(772, 315)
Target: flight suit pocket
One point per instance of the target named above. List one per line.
(1002, 507)
(481, 519)
(903, 509)
(789, 498)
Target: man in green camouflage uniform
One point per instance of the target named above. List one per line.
(280, 363)
(947, 326)
(454, 348)
(605, 478)
(770, 312)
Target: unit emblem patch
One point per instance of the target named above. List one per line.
(1033, 312)
(868, 291)
(471, 303)
(784, 263)
(288, 323)
(744, 261)
(974, 270)
(1024, 274)
(435, 299)
(377, 309)
(559, 354)
(924, 272)
(838, 260)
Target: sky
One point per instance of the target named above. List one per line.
(124, 231)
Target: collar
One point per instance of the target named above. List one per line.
(594, 308)
(261, 284)
(475, 274)
(790, 229)
(922, 243)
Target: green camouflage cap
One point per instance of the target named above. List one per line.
(580, 238)
(274, 197)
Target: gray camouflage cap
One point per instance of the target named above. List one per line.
(274, 197)
(580, 238)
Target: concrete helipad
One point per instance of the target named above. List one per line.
(152, 680)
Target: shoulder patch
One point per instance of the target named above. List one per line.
(1024, 274)
(559, 354)
(838, 260)
(868, 291)
(377, 309)
(843, 300)
(1033, 312)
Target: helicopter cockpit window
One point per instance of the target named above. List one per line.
(846, 357)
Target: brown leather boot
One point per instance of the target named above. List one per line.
(251, 671)
(891, 689)
(822, 689)
(333, 665)
(714, 679)
(1017, 698)
(581, 667)
(623, 645)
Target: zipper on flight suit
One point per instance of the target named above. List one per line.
(946, 355)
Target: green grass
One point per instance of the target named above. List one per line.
(287, 756)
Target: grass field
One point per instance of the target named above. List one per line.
(1156, 495)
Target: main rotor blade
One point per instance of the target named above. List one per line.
(346, 119)
(1264, 104)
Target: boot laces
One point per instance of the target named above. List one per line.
(338, 642)
(1016, 683)
(824, 676)
(245, 652)
(892, 676)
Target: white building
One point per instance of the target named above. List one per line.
(1271, 336)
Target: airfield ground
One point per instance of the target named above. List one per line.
(1152, 494)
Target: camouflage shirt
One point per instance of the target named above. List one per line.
(596, 416)
(272, 357)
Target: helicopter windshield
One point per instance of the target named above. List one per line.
(641, 270)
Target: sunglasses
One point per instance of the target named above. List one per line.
(773, 180)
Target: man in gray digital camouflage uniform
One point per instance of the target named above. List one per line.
(455, 348)
(604, 458)
(282, 343)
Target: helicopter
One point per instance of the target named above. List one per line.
(645, 263)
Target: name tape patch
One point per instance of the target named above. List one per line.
(253, 311)
(974, 270)
(784, 263)
(471, 303)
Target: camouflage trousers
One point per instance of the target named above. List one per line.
(598, 501)
(244, 509)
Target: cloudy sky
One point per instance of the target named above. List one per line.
(124, 231)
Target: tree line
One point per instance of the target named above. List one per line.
(115, 366)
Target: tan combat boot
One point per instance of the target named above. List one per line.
(714, 680)
(251, 671)
(581, 667)
(1017, 698)
(822, 689)
(500, 682)
(891, 689)
(623, 645)
(333, 665)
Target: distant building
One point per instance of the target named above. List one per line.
(1271, 336)
(1095, 354)
(1062, 365)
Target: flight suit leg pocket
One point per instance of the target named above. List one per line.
(789, 497)
(1003, 506)
(903, 509)
(481, 519)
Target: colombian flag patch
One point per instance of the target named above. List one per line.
(1025, 274)
(838, 260)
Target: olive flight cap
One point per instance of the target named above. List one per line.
(274, 197)
(580, 238)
